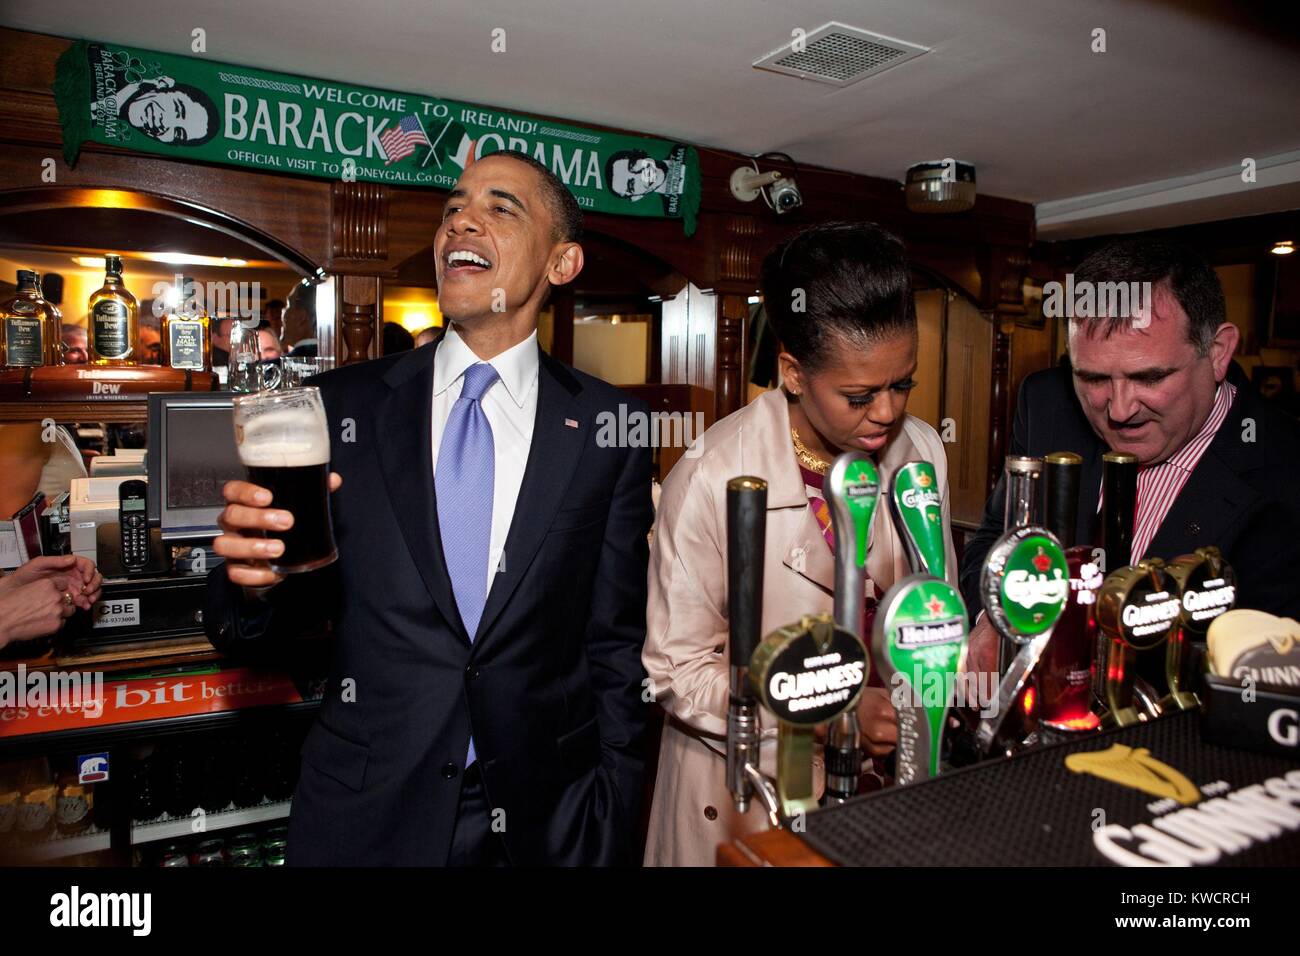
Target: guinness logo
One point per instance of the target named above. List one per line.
(1136, 769)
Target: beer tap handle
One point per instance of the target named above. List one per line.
(852, 492)
(916, 504)
(746, 527)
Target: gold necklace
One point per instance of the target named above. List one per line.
(807, 458)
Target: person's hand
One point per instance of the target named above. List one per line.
(82, 579)
(244, 521)
(982, 648)
(877, 721)
(34, 609)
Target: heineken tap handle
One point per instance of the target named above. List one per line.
(917, 507)
(746, 527)
(852, 492)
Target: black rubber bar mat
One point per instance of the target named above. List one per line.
(1214, 806)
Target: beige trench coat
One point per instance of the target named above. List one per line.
(686, 642)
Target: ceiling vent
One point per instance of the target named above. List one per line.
(839, 55)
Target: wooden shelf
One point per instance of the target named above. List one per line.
(90, 392)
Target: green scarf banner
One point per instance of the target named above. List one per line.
(188, 108)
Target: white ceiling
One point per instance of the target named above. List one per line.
(1185, 91)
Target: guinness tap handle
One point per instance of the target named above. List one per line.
(746, 535)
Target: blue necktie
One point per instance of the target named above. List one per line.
(463, 482)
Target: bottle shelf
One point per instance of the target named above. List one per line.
(174, 828)
(62, 847)
(98, 386)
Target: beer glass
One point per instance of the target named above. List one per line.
(283, 441)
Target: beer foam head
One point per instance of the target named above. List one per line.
(283, 438)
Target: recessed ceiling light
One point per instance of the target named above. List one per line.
(1283, 248)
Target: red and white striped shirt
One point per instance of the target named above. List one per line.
(1158, 485)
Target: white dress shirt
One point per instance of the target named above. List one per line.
(510, 404)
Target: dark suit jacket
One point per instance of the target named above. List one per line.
(1243, 496)
(552, 683)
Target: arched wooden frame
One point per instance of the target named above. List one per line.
(19, 201)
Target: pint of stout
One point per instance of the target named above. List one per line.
(283, 441)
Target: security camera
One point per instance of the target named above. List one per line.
(778, 190)
(785, 195)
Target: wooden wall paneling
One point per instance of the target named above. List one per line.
(1031, 350)
(924, 400)
(967, 382)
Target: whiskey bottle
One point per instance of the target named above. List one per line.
(114, 319)
(186, 332)
(29, 334)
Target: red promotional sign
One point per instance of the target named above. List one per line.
(151, 698)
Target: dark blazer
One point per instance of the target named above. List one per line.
(552, 683)
(1243, 495)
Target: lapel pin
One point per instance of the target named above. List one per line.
(570, 423)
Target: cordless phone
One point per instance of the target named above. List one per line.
(134, 525)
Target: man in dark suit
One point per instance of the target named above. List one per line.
(485, 701)
(1162, 385)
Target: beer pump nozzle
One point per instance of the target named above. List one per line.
(746, 526)
(852, 492)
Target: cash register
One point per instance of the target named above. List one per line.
(152, 539)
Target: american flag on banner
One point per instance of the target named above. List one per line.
(400, 141)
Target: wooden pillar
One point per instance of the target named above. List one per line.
(738, 268)
(358, 258)
(1002, 301)
(731, 386)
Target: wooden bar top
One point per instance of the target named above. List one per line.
(770, 848)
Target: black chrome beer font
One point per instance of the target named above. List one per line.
(1025, 585)
(746, 534)
(852, 490)
(919, 637)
